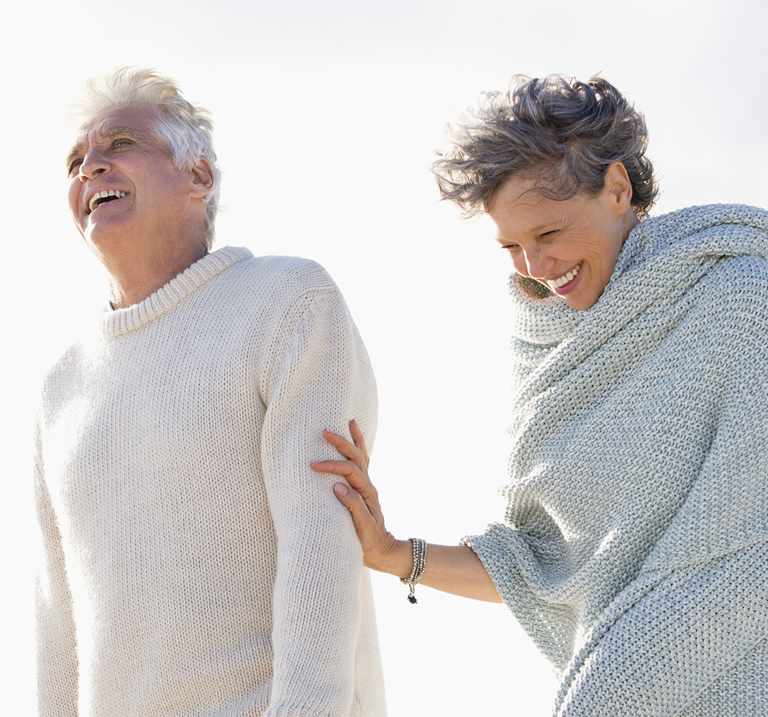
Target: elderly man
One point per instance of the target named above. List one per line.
(192, 562)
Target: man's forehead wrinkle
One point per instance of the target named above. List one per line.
(103, 131)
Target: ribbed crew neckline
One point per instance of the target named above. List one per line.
(118, 322)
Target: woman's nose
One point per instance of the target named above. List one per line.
(538, 263)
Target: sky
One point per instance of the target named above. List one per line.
(328, 115)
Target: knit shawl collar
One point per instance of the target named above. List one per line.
(660, 260)
(118, 322)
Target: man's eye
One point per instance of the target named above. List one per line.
(511, 248)
(121, 143)
(74, 166)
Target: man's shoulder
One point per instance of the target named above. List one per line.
(271, 292)
(285, 276)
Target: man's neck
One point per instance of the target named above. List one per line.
(133, 278)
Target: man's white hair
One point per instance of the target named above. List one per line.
(185, 129)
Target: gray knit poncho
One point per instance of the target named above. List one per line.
(634, 548)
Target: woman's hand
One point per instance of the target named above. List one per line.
(453, 569)
(381, 551)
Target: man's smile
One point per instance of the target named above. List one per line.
(105, 195)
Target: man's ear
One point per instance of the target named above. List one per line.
(201, 178)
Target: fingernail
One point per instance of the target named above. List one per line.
(341, 489)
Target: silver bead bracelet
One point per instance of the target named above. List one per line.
(419, 565)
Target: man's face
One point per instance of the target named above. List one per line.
(124, 186)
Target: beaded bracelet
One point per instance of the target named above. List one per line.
(419, 565)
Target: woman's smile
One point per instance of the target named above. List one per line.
(562, 284)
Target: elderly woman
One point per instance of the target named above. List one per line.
(634, 549)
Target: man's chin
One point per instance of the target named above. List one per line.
(98, 236)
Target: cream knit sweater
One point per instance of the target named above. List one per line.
(192, 562)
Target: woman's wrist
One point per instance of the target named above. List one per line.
(396, 558)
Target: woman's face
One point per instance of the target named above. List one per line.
(570, 246)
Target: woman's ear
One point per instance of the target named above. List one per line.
(618, 187)
(201, 182)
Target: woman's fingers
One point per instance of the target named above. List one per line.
(369, 526)
(357, 437)
(366, 525)
(347, 449)
(360, 496)
(358, 480)
(346, 469)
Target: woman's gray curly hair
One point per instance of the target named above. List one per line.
(562, 132)
(184, 128)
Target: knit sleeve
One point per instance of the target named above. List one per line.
(318, 376)
(513, 567)
(56, 650)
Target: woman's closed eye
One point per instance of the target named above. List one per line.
(551, 234)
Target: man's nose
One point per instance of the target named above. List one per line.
(93, 164)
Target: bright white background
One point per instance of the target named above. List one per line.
(327, 117)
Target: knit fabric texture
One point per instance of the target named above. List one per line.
(634, 548)
(192, 562)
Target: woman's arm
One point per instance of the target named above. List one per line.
(452, 569)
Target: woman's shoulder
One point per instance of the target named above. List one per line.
(732, 303)
(713, 229)
(739, 278)
(719, 247)
(697, 217)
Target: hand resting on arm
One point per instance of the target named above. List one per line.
(454, 569)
